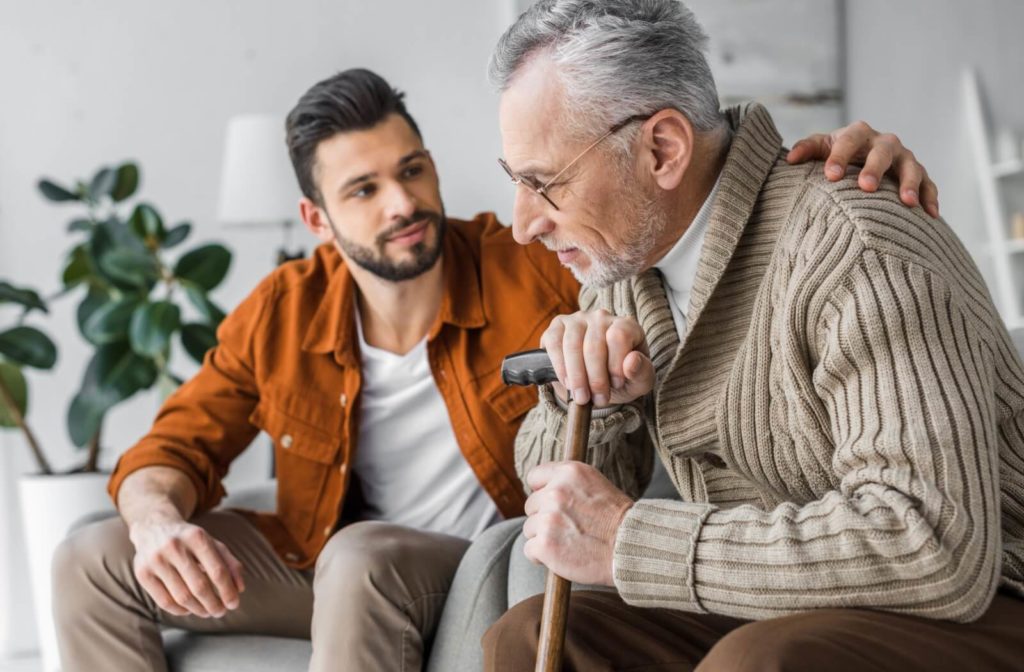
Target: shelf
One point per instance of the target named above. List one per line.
(1008, 168)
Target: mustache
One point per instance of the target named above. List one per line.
(420, 215)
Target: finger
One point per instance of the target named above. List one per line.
(214, 568)
(540, 475)
(595, 360)
(551, 341)
(930, 196)
(847, 144)
(575, 367)
(234, 565)
(639, 372)
(622, 337)
(878, 161)
(911, 174)
(811, 148)
(152, 585)
(177, 587)
(199, 586)
(530, 549)
(530, 527)
(532, 505)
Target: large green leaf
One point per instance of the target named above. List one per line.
(204, 266)
(114, 374)
(103, 182)
(28, 298)
(110, 322)
(210, 311)
(146, 222)
(80, 225)
(134, 267)
(56, 193)
(77, 268)
(127, 181)
(14, 381)
(197, 339)
(94, 300)
(152, 325)
(29, 347)
(176, 235)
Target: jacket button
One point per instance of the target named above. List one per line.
(286, 441)
(342, 469)
(343, 399)
(328, 530)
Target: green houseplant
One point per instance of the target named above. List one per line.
(22, 346)
(133, 303)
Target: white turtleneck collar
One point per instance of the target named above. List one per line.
(679, 265)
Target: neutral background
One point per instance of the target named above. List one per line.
(86, 83)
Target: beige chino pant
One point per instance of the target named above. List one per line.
(372, 602)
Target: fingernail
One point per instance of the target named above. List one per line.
(617, 382)
(834, 170)
(910, 193)
(870, 181)
(579, 395)
(600, 400)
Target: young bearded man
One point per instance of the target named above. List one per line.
(374, 367)
(821, 372)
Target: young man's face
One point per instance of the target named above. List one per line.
(381, 200)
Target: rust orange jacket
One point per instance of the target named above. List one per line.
(287, 363)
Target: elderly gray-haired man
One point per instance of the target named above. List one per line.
(821, 371)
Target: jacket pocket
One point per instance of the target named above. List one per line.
(512, 402)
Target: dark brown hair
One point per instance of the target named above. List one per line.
(353, 100)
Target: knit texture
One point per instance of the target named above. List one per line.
(843, 420)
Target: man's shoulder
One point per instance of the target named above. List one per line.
(877, 221)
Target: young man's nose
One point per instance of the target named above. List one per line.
(400, 203)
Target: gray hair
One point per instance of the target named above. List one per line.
(615, 58)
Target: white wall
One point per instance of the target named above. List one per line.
(904, 64)
(82, 83)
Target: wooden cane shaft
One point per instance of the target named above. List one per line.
(556, 593)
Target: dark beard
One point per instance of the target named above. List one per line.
(375, 261)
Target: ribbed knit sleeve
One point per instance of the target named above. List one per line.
(912, 523)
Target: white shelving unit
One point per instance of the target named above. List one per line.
(1007, 253)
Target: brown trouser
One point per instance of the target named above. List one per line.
(607, 634)
(374, 598)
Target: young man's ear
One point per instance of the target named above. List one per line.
(668, 142)
(315, 220)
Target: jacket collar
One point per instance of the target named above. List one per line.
(333, 327)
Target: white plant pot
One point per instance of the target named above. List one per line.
(50, 505)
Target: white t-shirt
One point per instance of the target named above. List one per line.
(407, 459)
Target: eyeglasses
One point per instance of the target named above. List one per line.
(542, 189)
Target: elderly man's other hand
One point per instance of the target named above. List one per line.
(599, 356)
(574, 515)
(879, 153)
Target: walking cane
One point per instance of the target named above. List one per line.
(533, 367)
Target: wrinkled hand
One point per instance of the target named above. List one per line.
(599, 355)
(574, 515)
(879, 153)
(184, 569)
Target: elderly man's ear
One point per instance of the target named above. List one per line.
(669, 143)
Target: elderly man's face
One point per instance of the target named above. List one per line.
(606, 223)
